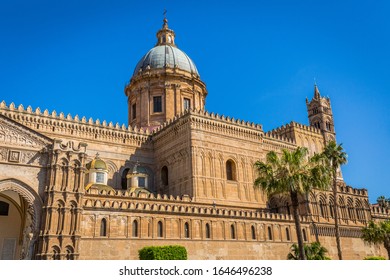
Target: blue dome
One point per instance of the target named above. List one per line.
(166, 56)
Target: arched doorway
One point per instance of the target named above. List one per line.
(20, 212)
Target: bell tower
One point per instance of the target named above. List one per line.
(320, 115)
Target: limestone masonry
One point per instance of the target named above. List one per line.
(77, 188)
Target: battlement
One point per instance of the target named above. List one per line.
(126, 201)
(288, 127)
(278, 137)
(211, 116)
(59, 123)
(350, 190)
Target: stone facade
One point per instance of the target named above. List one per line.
(83, 189)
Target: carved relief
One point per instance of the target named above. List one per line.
(15, 136)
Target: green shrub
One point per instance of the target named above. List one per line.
(374, 258)
(174, 252)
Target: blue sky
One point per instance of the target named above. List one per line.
(258, 59)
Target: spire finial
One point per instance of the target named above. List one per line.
(165, 20)
(317, 94)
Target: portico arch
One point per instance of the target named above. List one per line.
(26, 204)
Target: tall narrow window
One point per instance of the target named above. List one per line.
(133, 111)
(135, 228)
(208, 231)
(269, 233)
(103, 227)
(157, 104)
(232, 232)
(253, 231)
(187, 103)
(186, 230)
(230, 170)
(164, 176)
(287, 234)
(159, 229)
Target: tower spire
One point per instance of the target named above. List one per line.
(317, 94)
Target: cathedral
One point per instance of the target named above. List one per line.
(76, 188)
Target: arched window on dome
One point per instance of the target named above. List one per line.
(230, 170)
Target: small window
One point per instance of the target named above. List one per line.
(103, 227)
(157, 104)
(304, 235)
(141, 182)
(135, 228)
(159, 229)
(230, 170)
(164, 176)
(253, 230)
(232, 232)
(186, 230)
(4, 208)
(269, 233)
(187, 103)
(133, 111)
(99, 177)
(288, 235)
(208, 231)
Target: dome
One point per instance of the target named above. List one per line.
(97, 163)
(166, 56)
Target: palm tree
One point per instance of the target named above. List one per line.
(336, 157)
(313, 251)
(378, 234)
(292, 173)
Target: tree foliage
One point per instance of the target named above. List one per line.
(292, 173)
(174, 252)
(335, 156)
(313, 251)
(378, 233)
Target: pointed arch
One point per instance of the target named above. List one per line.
(29, 195)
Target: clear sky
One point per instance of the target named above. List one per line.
(258, 59)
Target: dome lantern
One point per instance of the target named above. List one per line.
(165, 36)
